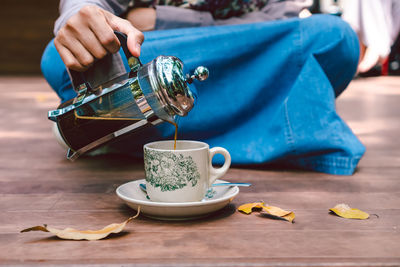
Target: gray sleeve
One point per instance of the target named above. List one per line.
(109, 67)
(170, 17)
(274, 10)
(68, 8)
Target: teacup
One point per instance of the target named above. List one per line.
(183, 174)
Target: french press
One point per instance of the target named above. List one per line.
(147, 94)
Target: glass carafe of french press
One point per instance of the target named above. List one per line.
(148, 94)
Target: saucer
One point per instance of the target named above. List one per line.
(134, 197)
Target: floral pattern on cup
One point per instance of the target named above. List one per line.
(169, 171)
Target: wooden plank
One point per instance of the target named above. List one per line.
(293, 200)
(97, 182)
(201, 244)
(314, 219)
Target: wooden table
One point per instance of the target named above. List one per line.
(38, 185)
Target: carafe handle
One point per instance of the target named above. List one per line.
(79, 78)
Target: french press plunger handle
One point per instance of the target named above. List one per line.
(78, 78)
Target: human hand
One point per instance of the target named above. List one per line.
(89, 35)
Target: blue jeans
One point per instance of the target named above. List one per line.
(270, 97)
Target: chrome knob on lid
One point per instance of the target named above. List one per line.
(200, 73)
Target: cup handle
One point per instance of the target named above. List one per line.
(216, 173)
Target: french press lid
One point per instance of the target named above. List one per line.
(166, 78)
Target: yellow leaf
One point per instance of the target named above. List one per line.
(290, 217)
(345, 211)
(278, 212)
(72, 234)
(248, 208)
(268, 210)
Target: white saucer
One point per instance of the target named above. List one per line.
(134, 197)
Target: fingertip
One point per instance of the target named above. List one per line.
(134, 45)
(138, 48)
(136, 51)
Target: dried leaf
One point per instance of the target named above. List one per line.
(248, 208)
(345, 211)
(72, 234)
(36, 228)
(269, 210)
(278, 212)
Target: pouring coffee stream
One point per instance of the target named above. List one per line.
(146, 95)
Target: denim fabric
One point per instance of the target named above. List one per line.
(271, 92)
(55, 72)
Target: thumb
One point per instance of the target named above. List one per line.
(135, 37)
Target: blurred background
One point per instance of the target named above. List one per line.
(27, 27)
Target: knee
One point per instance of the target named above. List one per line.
(328, 32)
(46, 63)
(335, 46)
(55, 73)
(346, 39)
(52, 66)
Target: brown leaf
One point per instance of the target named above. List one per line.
(73, 234)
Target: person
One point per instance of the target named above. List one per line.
(377, 23)
(273, 76)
